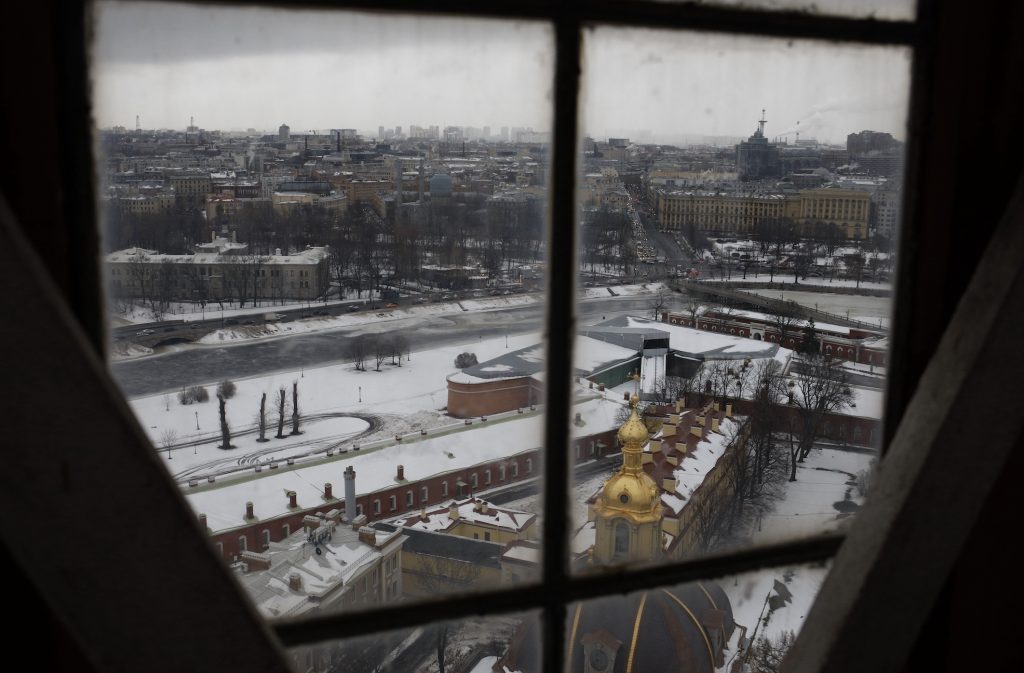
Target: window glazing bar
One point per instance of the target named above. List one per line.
(649, 14)
(344, 625)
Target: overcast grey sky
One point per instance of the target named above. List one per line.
(241, 68)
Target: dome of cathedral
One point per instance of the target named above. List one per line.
(633, 431)
(630, 492)
(684, 629)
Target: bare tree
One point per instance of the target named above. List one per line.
(766, 654)
(786, 322)
(280, 414)
(168, 438)
(263, 419)
(399, 346)
(358, 349)
(658, 302)
(692, 308)
(225, 432)
(295, 408)
(381, 349)
(821, 389)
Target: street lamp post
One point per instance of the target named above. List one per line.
(360, 393)
(197, 420)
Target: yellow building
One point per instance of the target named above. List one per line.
(740, 213)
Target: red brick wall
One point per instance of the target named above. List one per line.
(523, 466)
(467, 400)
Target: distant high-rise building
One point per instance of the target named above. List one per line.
(872, 141)
(283, 132)
(380, 133)
(398, 131)
(756, 158)
(504, 134)
(487, 132)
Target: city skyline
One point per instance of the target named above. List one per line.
(167, 63)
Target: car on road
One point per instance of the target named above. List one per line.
(249, 322)
(353, 308)
(230, 321)
(194, 325)
(144, 332)
(392, 305)
(321, 312)
(170, 329)
(419, 300)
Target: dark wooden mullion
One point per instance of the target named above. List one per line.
(645, 14)
(561, 330)
(320, 628)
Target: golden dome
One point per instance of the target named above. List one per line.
(633, 432)
(633, 492)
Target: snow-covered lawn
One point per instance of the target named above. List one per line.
(859, 307)
(747, 594)
(407, 398)
(822, 499)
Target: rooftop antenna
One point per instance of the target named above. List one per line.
(138, 127)
(761, 123)
(798, 133)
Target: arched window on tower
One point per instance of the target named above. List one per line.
(621, 540)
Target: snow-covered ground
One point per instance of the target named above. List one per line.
(789, 279)
(747, 594)
(406, 398)
(859, 307)
(190, 311)
(822, 499)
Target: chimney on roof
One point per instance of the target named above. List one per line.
(350, 493)
(728, 410)
(714, 424)
(697, 431)
(294, 581)
(655, 446)
(202, 523)
(400, 476)
(328, 491)
(293, 500)
(368, 535)
(423, 514)
(669, 484)
(484, 508)
(249, 515)
(277, 251)
(234, 236)
(453, 511)
(359, 522)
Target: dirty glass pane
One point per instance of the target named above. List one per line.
(471, 646)
(886, 10)
(738, 204)
(324, 246)
(743, 622)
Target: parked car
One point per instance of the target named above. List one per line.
(391, 305)
(352, 308)
(249, 322)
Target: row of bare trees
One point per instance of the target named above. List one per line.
(378, 348)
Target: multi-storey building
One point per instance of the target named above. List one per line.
(740, 213)
(219, 271)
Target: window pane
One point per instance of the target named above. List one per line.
(744, 622)
(737, 283)
(471, 646)
(324, 242)
(890, 10)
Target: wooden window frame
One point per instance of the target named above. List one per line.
(877, 553)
